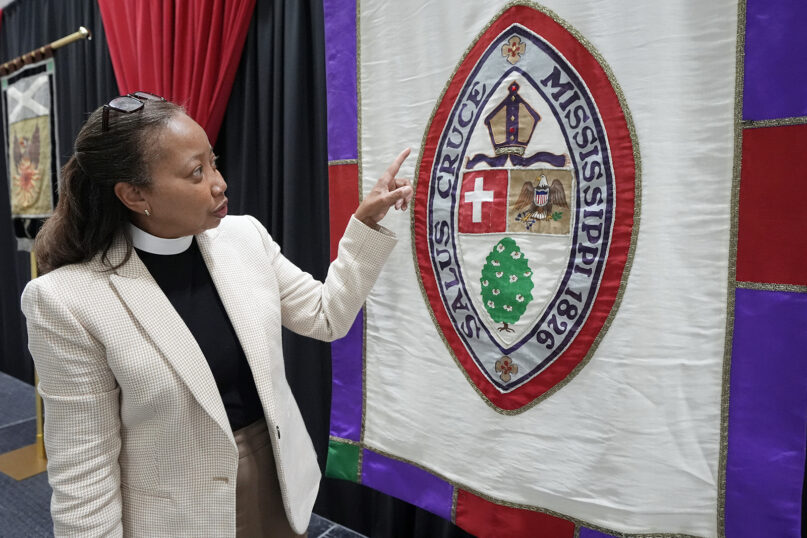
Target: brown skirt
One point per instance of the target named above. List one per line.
(258, 504)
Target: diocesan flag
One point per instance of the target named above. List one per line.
(594, 322)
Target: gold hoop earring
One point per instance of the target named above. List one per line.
(148, 213)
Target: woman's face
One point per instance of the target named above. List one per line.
(186, 195)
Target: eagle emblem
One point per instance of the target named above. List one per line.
(535, 203)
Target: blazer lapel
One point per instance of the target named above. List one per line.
(232, 282)
(155, 313)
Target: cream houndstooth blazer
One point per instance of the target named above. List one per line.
(137, 437)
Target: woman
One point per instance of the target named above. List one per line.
(156, 334)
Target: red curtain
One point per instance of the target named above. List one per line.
(185, 50)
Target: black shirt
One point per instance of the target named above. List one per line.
(186, 282)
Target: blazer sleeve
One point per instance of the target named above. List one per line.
(326, 311)
(82, 417)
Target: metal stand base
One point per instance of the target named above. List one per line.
(24, 462)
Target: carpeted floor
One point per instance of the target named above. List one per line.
(25, 505)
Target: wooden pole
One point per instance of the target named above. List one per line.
(43, 52)
(40, 422)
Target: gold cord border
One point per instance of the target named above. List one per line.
(731, 284)
(358, 101)
(578, 522)
(343, 440)
(337, 162)
(766, 286)
(359, 186)
(363, 387)
(779, 122)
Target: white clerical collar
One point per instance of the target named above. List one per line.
(158, 245)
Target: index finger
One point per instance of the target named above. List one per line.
(389, 175)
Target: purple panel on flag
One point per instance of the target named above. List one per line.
(340, 70)
(767, 414)
(588, 533)
(407, 482)
(346, 395)
(775, 59)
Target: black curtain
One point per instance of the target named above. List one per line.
(273, 149)
(84, 80)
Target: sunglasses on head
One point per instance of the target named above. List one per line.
(126, 104)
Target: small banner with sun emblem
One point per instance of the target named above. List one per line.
(29, 122)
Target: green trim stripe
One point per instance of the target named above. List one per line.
(343, 461)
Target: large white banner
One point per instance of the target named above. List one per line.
(622, 118)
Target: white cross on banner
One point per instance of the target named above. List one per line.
(477, 197)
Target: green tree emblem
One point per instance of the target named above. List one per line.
(506, 283)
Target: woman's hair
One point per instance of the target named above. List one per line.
(88, 214)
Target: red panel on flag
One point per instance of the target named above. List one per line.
(483, 202)
(771, 243)
(485, 519)
(343, 183)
